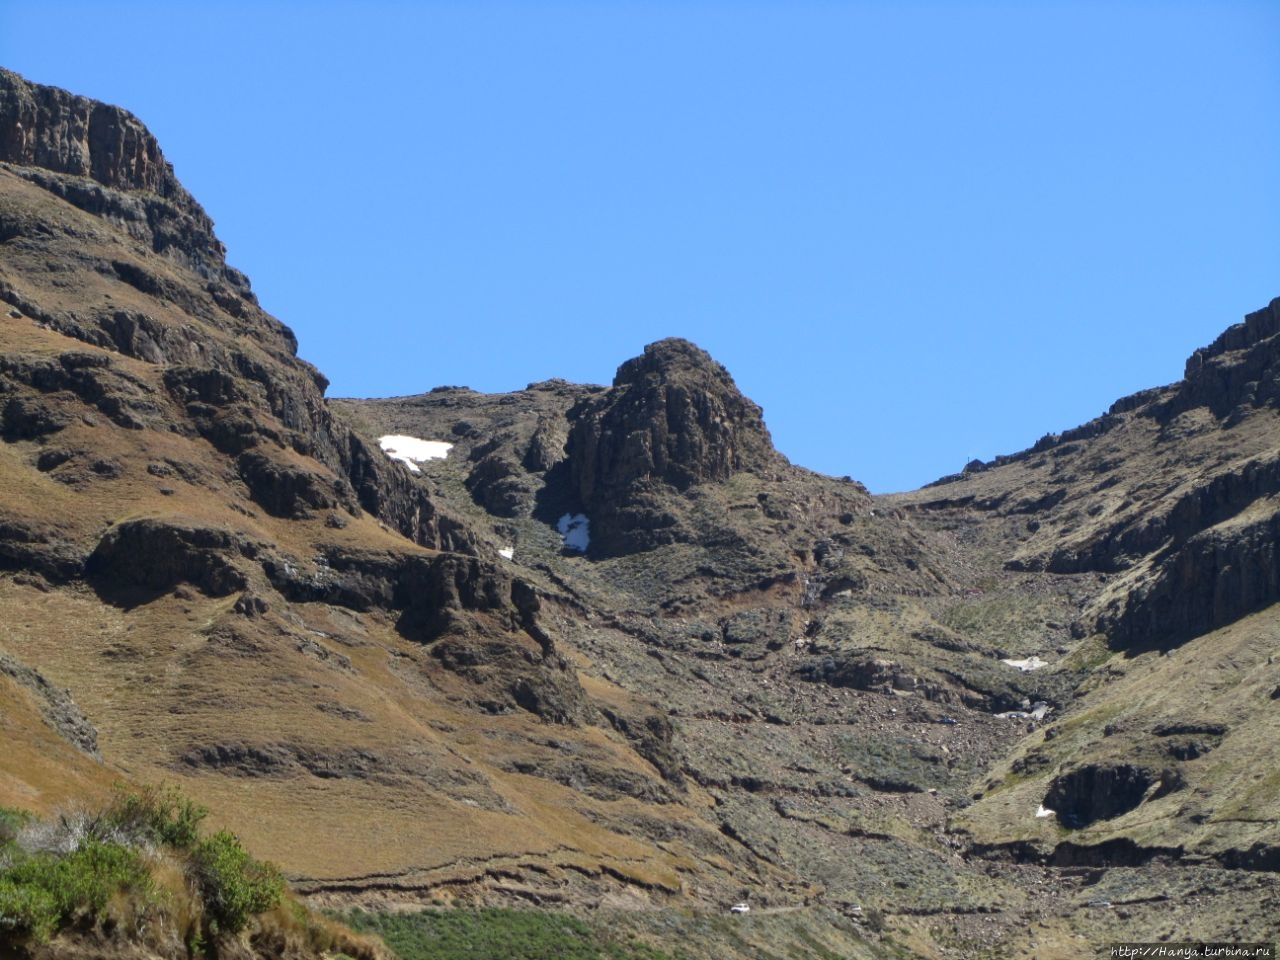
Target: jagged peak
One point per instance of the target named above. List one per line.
(673, 416)
(668, 359)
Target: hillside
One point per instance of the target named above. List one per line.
(612, 653)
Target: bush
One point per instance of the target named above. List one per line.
(27, 910)
(160, 815)
(143, 855)
(234, 885)
(39, 892)
(11, 821)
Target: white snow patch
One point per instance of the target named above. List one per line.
(1027, 665)
(507, 552)
(576, 530)
(1044, 813)
(411, 451)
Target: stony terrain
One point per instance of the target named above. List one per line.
(408, 686)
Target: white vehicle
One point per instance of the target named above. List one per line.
(740, 908)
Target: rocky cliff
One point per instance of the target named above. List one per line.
(673, 418)
(231, 368)
(673, 415)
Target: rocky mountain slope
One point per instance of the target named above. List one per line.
(613, 652)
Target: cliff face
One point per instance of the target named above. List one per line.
(673, 415)
(232, 368)
(102, 159)
(63, 133)
(1240, 370)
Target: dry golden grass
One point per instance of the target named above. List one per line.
(158, 683)
(41, 771)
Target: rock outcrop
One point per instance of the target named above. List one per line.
(75, 147)
(232, 367)
(1238, 371)
(56, 705)
(138, 559)
(673, 418)
(673, 415)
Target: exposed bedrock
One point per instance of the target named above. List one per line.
(55, 703)
(104, 161)
(673, 414)
(1213, 579)
(476, 620)
(672, 417)
(1105, 791)
(1239, 370)
(138, 559)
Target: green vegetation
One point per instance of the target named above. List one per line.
(235, 886)
(11, 821)
(88, 867)
(41, 891)
(497, 934)
(162, 816)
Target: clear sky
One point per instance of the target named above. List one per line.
(916, 233)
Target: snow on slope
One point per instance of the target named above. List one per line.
(411, 451)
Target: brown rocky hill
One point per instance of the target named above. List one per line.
(613, 650)
(1166, 507)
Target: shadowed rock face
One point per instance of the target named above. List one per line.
(75, 147)
(1104, 791)
(151, 556)
(674, 415)
(1238, 371)
(51, 128)
(672, 419)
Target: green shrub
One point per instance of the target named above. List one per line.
(11, 821)
(27, 910)
(234, 885)
(42, 886)
(38, 892)
(161, 815)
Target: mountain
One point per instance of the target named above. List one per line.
(612, 653)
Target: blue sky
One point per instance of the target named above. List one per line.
(916, 233)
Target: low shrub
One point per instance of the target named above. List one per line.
(26, 911)
(11, 821)
(141, 853)
(234, 885)
(41, 891)
(159, 815)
